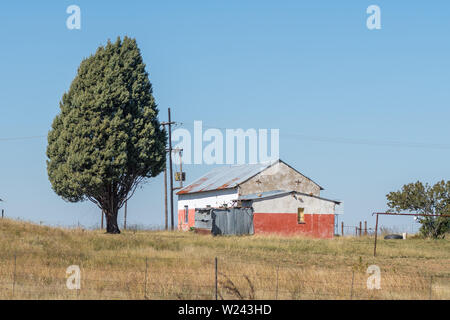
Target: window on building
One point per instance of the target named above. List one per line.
(301, 215)
(186, 214)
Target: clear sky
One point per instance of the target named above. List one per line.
(360, 111)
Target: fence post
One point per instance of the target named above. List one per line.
(360, 228)
(365, 228)
(145, 284)
(216, 275)
(342, 228)
(375, 242)
(431, 287)
(3, 213)
(353, 280)
(14, 275)
(276, 292)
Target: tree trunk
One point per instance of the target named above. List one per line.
(111, 223)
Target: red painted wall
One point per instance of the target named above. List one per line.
(191, 219)
(316, 225)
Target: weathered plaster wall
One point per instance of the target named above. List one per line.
(279, 215)
(290, 204)
(279, 177)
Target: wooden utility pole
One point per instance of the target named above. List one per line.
(180, 152)
(169, 124)
(165, 199)
(171, 173)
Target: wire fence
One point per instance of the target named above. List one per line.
(216, 278)
(364, 230)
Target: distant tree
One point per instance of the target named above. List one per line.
(425, 199)
(107, 138)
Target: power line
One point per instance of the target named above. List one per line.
(368, 142)
(324, 139)
(22, 138)
(343, 140)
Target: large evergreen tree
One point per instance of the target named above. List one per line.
(107, 138)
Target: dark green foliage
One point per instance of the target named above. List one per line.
(107, 138)
(425, 199)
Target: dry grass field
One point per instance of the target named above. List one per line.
(177, 265)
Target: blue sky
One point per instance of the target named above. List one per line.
(360, 111)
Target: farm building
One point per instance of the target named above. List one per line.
(256, 198)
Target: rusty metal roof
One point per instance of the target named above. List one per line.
(225, 177)
(228, 177)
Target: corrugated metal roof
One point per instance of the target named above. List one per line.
(225, 177)
(231, 176)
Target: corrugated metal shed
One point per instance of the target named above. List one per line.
(203, 219)
(226, 221)
(236, 221)
(225, 177)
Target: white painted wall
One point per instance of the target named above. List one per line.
(214, 198)
(290, 204)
